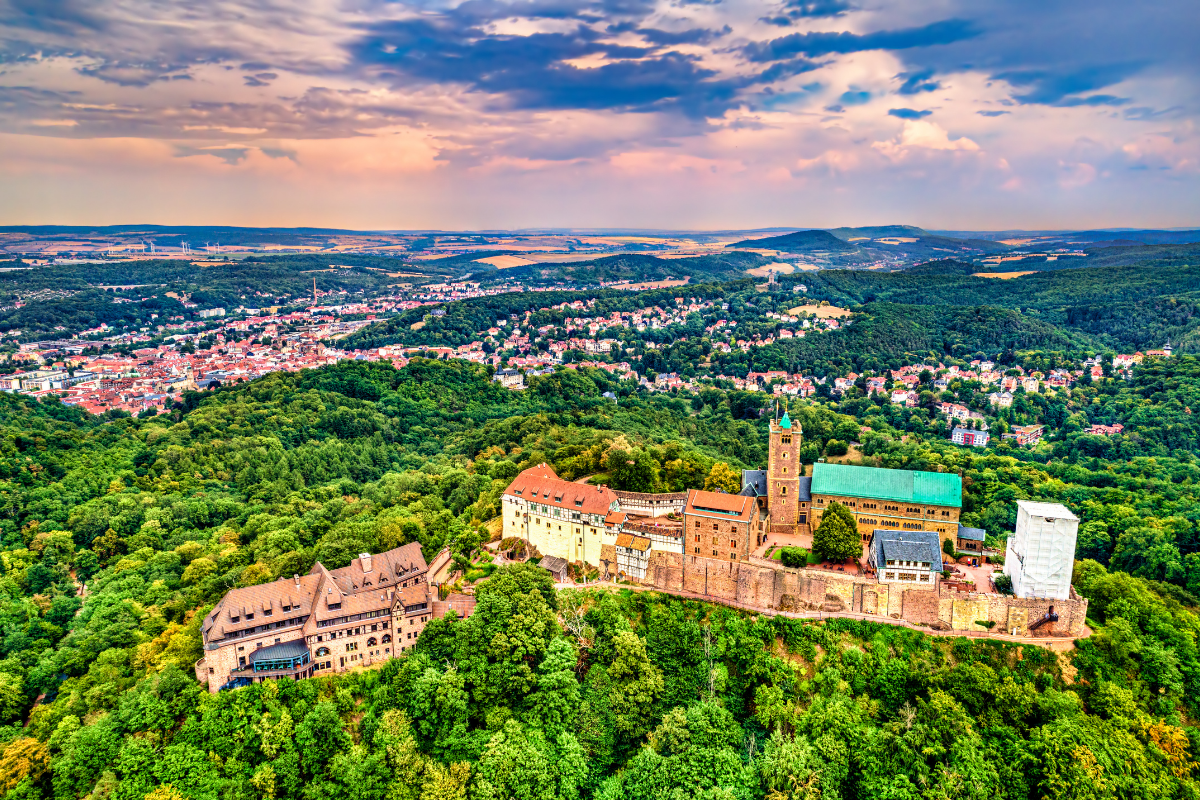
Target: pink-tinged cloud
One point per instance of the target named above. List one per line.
(650, 113)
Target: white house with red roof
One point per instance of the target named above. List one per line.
(558, 517)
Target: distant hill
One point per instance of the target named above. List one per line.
(879, 232)
(945, 267)
(635, 267)
(799, 242)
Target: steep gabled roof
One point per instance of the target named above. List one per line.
(387, 570)
(540, 485)
(921, 546)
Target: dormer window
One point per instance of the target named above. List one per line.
(235, 619)
(579, 504)
(266, 612)
(249, 617)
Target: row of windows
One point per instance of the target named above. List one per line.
(354, 617)
(906, 576)
(270, 626)
(716, 541)
(352, 646)
(732, 556)
(361, 629)
(820, 501)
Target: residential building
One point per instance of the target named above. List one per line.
(1000, 399)
(969, 438)
(1025, 434)
(509, 378)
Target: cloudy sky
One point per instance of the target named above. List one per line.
(962, 114)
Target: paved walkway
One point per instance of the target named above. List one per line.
(1055, 643)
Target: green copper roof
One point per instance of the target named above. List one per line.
(786, 422)
(905, 486)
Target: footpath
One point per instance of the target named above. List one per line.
(1059, 644)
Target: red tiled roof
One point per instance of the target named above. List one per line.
(717, 505)
(541, 485)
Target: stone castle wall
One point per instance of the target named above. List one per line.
(779, 589)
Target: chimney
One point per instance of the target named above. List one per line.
(365, 558)
(296, 578)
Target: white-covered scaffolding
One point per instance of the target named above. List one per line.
(1041, 552)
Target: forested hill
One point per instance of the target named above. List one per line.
(882, 332)
(1137, 305)
(560, 695)
(889, 332)
(799, 242)
(634, 267)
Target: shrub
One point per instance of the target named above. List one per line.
(795, 557)
(1003, 583)
(835, 447)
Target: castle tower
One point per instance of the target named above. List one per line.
(783, 471)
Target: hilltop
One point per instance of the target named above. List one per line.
(799, 242)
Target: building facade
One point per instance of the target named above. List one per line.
(784, 471)
(717, 525)
(1025, 434)
(969, 438)
(323, 622)
(558, 517)
(889, 499)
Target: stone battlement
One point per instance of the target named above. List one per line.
(781, 589)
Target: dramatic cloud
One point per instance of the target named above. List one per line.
(402, 113)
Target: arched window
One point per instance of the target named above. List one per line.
(372, 642)
(387, 638)
(322, 651)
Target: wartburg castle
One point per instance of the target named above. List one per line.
(695, 542)
(618, 530)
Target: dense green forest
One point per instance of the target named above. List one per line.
(1124, 305)
(544, 694)
(889, 335)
